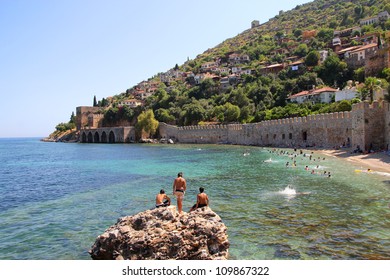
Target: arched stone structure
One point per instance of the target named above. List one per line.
(107, 135)
(104, 137)
(111, 137)
(90, 139)
(96, 137)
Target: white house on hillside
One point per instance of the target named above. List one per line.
(132, 103)
(348, 93)
(321, 95)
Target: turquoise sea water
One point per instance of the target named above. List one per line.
(56, 198)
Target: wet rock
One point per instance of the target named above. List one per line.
(162, 234)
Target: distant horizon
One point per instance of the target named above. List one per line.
(22, 137)
(59, 55)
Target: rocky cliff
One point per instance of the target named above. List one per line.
(162, 234)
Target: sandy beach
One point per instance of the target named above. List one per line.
(379, 161)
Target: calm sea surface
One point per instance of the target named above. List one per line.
(56, 198)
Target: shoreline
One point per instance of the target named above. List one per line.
(378, 161)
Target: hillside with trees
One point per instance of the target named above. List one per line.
(252, 77)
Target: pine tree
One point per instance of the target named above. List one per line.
(94, 101)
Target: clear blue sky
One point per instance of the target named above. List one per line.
(56, 55)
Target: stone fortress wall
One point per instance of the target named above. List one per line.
(366, 126)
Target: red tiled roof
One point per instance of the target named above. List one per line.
(366, 47)
(324, 89)
(313, 92)
(302, 93)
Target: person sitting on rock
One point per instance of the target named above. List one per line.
(202, 200)
(162, 200)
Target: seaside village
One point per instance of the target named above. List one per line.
(370, 52)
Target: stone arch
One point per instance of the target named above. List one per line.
(111, 137)
(90, 138)
(83, 138)
(104, 137)
(96, 137)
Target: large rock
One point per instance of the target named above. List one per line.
(162, 234)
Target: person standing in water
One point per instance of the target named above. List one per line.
(179, 188)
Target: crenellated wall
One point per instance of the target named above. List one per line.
(325, 130)
(366, 125)
(370, 125)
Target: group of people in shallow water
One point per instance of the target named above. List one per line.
(314, 171)
(179, 189)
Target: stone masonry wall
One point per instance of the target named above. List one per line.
(82, 114)
(326, 130)
(366, 125)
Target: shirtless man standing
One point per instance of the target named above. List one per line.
(202, 200)
(179, 188)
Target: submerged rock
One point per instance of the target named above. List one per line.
(162, 234)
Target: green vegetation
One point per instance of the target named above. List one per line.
(63, 127)
(294, 36)
(147, 122)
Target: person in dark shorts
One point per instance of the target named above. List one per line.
(202, 200)
(179, 189)
(162, 200)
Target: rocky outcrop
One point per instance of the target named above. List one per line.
(67, 136)
(162, 234)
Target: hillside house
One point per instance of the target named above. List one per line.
(228, 81)
(321, 95)
(343, 52)
(222, 70)
(132, 103)
(208, 66)
(272, 69)
(346, 32)
(357, 58)
(236, 70)
(224, 83)
(382, 16)
(255, 23)
(349, 92)
(141, 94)
(203, 76)
(236, 58)
(299, 98)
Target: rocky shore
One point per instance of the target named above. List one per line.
(67, 136)
(163, 234)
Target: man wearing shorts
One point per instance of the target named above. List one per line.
(179, 188)
(202, 200)
(162, 200)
